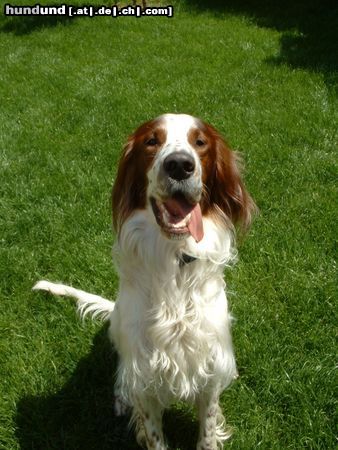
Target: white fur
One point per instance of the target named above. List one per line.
(177, 127)
(170, 323)
(94, 305)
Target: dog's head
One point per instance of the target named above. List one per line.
(182, 169)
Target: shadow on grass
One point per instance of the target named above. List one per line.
(310, 29)
(80, 415)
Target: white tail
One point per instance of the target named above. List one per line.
(94, 305)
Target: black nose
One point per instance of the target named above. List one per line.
(179, 165)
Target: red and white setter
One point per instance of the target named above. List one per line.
(177, 198)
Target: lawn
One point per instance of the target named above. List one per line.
(71, 91)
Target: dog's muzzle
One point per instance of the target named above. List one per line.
(178, 211)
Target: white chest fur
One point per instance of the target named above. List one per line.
(171, 324)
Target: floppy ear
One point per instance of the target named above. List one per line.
(129, 190)
(227, 189)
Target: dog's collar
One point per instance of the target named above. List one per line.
(185, 259)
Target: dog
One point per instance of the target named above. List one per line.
(177, 199)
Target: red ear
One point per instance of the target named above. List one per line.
(129, 190)
(227, 190)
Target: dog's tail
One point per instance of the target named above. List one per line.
(94, 305)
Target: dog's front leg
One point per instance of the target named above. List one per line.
(148, 415)
(211, 431)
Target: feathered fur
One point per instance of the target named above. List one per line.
(170, 323)
(94, 305)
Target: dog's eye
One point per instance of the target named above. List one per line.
(151, 142)
(200, 143)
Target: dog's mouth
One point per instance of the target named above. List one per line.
(178, 218)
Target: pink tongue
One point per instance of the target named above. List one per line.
(179, 209)
(196, 225)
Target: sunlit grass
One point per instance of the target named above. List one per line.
(70, 93)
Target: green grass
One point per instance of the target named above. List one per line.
(71, 91)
